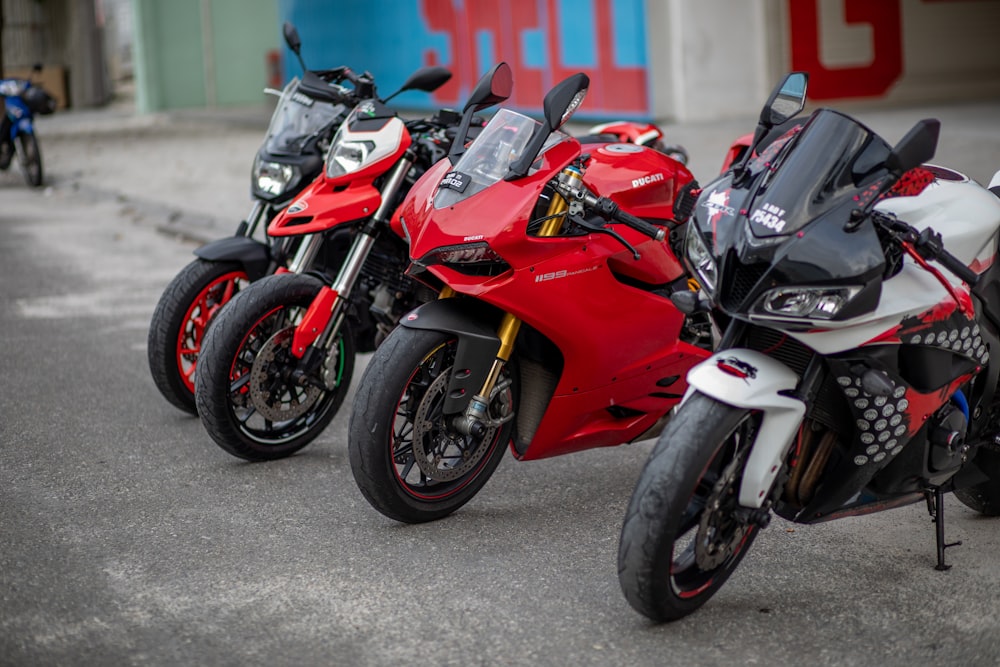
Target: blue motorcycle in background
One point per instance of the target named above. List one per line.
(22, 100)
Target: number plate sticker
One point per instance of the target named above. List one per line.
(455, 180)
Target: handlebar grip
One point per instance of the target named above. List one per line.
(610, 211)
(955, 265)
(931, 246)
(640, 225)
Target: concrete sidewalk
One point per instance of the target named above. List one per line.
(188, 172)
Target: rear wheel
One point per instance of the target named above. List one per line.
(408, 460)
(684, 534)
(179, 323)
(31, 159)
(247, 397)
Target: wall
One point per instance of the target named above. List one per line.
(543, 41)
(196, 53)
(66, 36)
(665, 59)
(719, 58)
(897, 51)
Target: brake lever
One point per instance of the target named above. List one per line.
(601, 229)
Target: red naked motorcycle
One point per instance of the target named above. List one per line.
(554, 332)
(267, 386)
(307, 115)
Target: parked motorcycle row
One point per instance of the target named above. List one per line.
(809, 335)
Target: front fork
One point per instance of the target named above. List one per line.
(476, 420)
(322, 321)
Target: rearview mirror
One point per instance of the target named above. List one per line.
(558, 105)
(787, 99)
(426, 79)
(495, 87)
(292, 37)
(916, 147)
(562, 101)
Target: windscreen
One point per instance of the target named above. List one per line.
(297, 118)
(834, 158)
(488, 158)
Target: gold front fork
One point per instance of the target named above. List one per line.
(510, 324)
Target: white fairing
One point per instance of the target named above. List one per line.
(782, 415)
(966, 215)
(369, 147)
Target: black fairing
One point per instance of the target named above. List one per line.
(785, 222)
(253, 255)
(370, 116)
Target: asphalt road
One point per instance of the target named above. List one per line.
(129, 538)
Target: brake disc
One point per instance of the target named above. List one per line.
(719, 531)
(441, 454)
(272, 395)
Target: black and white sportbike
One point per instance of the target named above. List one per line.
(858, 298)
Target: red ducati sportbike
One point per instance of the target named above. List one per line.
(555, 331)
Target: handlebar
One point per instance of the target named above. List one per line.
(930, 246)
(324, 85)
(927, 243)
(609, 210)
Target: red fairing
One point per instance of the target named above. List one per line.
(583, 293)
(320, 207)
(331, 201)
(739, 147)
(630, 132)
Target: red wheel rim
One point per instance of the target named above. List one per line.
(201, 311)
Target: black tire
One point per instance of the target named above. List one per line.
(984, 498)
(407, 376)
(669, 502)
(31, 159)
(186, 307)
(243, 413)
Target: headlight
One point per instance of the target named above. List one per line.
(701, 259)
(274, 178)
(477, 259)
(823, 303)
(347, 156)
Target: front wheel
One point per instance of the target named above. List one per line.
(984, 497)
(407, 458)
(31, 159)
(182, 315)
(684, 533)
(247, 396)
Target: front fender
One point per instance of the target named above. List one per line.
(752, 380)
(253, 255)
(478, 344)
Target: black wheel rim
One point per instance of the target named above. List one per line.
(439, 439)
(695, 567)
(261, 428)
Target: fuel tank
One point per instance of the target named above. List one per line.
(641, 180)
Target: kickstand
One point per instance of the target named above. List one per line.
(935, 507)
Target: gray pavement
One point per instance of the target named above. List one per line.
(130, 539)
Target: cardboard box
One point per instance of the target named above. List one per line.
(52, 78)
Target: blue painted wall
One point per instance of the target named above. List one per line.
(543, 40)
